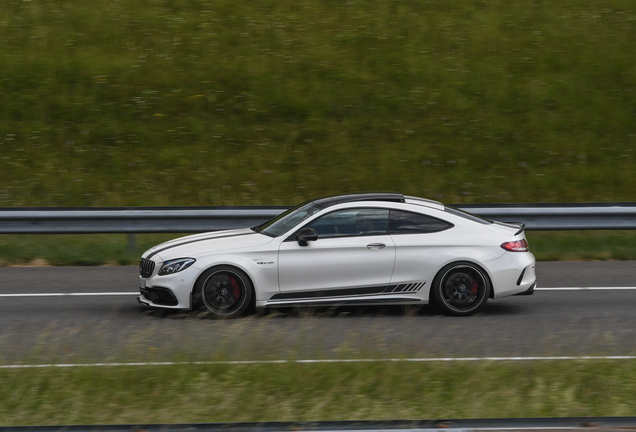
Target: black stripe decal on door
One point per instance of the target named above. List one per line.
(350, 292)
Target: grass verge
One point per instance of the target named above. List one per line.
(305, 392)
(116, 249)
(193, 102)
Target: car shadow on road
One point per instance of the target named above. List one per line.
(339, 311)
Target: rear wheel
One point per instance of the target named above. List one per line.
(461, 289)
(226, 291)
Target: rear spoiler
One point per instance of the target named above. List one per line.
(521, 228)
(513, 225)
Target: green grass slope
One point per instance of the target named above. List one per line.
(195, 102)
(312, 392)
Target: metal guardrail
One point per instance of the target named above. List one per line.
(131, 220)
(590, 424)
(561, 217)
(537, 217)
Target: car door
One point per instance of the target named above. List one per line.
(422, 244)
(353, 255)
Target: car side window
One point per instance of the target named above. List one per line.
(351, 222)
(402, 222)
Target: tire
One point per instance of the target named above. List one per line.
(225, 291)
(461, 289)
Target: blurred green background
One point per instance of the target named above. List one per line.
(271, 102)
(201, 102)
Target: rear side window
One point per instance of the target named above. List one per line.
(402, 222)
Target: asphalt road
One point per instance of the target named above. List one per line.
(106, 328)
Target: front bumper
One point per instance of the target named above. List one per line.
(159, 296)
(169, 291)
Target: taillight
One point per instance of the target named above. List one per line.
(516, 246)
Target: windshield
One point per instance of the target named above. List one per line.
(287, 220)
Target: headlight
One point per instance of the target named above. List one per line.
(175, 266)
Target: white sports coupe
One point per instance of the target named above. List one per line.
(360, 249)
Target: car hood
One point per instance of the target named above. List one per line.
(207, 243)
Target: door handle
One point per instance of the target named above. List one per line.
(376, 246)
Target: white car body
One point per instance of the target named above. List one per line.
(350, 268)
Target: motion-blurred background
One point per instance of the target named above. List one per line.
(201, 102)
(270, 102)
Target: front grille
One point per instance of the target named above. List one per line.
(146, 267)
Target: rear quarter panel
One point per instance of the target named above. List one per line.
(419, 257)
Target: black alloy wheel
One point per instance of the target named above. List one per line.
(461, 289)
(226, 291)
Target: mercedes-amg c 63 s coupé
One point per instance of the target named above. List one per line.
(358, 249)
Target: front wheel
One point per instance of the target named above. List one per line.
(461, 289)
(226, 291)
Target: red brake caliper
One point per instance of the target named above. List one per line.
(474, 287)
(237, 289)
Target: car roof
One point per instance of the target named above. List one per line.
(375, 196)
(425, 202)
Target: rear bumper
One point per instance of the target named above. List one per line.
(529, 291)
(513, 273)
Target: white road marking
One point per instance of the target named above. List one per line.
(269, 362)
(69, 294)
(584, 288)
(80, 294)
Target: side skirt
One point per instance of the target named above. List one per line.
(395, 293)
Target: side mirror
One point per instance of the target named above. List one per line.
(306, 235)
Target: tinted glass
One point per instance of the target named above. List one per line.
(402, 222)
(288, 220)
(351, 222)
